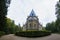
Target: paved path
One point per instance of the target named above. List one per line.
(13, 37)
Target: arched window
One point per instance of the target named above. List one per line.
(30, 24)
(35, 26)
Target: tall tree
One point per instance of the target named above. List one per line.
(51, 27)
(58, 15)
(12, 27)
(3, 13)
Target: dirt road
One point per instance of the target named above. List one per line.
(13, 37)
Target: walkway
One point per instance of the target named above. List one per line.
(13, 37)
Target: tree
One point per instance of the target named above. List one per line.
(18, 28)
(58, 16)
(51, 27)
(11, 25)
(55, 26)
(3, 13)
(13, 28)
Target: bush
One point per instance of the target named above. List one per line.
(33, 33)
(2, 33)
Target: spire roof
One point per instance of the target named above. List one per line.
(32, 13)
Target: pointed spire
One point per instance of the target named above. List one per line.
(32, 13)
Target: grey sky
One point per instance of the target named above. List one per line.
(44, 9)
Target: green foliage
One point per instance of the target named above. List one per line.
(55, 26)
(3, 13)
(18, 28)
(33, 33)
(58, 17)
(58, 25)
(51, 27)
(12, 26)
(2, 33)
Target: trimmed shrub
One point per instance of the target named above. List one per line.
(2, 33)
(33, 33)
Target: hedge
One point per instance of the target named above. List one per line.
(33, 33)
(2, 33)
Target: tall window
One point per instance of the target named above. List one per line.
(34, 25)
(30, 25)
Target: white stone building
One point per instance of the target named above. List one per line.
(32, 22)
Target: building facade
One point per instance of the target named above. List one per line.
(32, 22)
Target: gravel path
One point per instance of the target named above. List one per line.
(13, 37)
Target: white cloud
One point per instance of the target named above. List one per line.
(44, 9)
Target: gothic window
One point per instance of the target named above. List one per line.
(30, 25)
(34, 26)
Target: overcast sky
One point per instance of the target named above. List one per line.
(44, 9)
